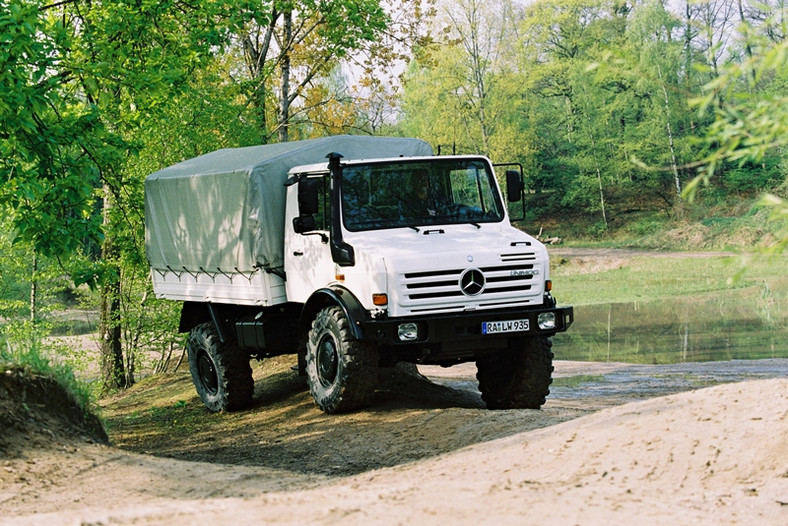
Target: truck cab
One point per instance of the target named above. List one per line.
(421, 256)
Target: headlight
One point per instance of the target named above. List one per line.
(547, 321)
(408, 332)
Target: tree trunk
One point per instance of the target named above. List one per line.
(747, 46)
(687, 45)
(601, 192)
(256, 53)
(34, 290)
(596, 166)
(673, 162)
(112, 368)
(284, 101)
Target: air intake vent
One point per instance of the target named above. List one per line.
(518, 256)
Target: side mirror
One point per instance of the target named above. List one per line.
(308, 192)
(514, 186)
(303, 224)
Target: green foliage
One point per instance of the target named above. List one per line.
(645, 226)
(746, 141)
(23, 346)
(595, 98)
(46, 177)
(461, 93)
(751, 122)
(755, 178)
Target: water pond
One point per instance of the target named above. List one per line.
(741, 324)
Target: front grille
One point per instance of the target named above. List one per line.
(503, 283)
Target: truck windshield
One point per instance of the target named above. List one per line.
(419, 193)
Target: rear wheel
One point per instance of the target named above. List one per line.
(519, 377)
(341, 371)
(221, 372)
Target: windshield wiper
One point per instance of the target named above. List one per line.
(414, 228)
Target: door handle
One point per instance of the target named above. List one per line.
(298, 253)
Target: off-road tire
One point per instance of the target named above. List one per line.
(221, 372)
(519, 377)
(341, 371)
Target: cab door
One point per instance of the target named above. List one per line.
(308, 262)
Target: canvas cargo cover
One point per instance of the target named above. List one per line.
(226, 209)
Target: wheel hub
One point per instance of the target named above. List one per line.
(207, 373)
(327, 361)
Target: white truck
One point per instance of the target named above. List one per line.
(354, 253)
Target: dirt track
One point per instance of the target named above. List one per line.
(284, 445)
(614, 444)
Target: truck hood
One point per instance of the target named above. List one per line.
(457, 267)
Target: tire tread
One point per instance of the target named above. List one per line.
(236, 384)
(518, 378)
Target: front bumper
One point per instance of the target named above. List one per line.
(464, 327)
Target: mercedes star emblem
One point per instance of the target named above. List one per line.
(472, 282)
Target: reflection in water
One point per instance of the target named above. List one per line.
(743, 324)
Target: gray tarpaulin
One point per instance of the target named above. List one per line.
(226, 209)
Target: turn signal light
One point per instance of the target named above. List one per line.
(380, 300)
(548, 285)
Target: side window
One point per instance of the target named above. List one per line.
(323, 215)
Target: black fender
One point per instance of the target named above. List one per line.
(195, 313)
(192, 314)
(334, 295)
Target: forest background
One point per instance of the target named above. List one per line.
(618, 111)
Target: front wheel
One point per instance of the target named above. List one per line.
(341, 371)
(519, 377)
(221, 372)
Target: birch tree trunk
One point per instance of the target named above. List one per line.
(34, 290)
(673, 162)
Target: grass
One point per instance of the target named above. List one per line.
(717, 219)
(30, 359)
(160, 404)
(652, 278)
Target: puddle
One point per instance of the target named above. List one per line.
(743, 324)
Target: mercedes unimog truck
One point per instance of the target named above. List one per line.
(354, 253)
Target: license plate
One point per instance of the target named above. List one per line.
(498, 327)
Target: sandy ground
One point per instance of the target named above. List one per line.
(602, 451)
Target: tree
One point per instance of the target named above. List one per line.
(752, 124)
(717, 19)
(560, 39)
(461, 91)
(750, 111)
(48, 176)
(298, 43)
(94, 96)
(78, 80)
(656, 75)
